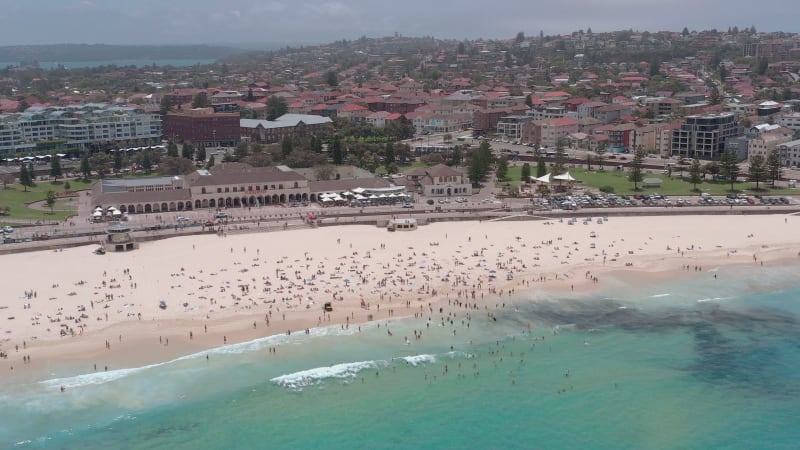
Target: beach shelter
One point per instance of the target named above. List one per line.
(543, 179)
(564, 177)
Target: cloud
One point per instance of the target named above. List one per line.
(307, 21)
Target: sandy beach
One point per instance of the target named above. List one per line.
(71, 307)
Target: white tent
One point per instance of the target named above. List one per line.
(543, 179)
(97, 214)
(564, 177)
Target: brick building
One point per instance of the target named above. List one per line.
(202, 126)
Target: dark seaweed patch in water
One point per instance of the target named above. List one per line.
(750, 348)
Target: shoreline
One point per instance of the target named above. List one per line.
(396, 282)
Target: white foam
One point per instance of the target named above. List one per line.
(304, 378)
(96, 377)
(713, 299)
(418, 359)
(660, 295)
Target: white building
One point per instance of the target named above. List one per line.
(76, 125)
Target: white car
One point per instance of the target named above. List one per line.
(8, 229)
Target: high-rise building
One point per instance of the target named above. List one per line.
(705, 135)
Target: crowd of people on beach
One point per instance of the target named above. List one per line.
(442, 281)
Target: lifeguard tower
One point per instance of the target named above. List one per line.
(119, 238)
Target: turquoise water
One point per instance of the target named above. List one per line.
(702, 363)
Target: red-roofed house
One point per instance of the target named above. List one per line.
(354, 112)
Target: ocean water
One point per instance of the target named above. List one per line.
(701, 363)
(116, 62)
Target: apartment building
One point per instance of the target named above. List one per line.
(655, 138)
(202, 126)
(272, 131)
(789, 120)
(547, 133)
(510, 127)
(705, 135)
(76, 126)
(790, 153)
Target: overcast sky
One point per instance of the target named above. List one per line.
(317, 21)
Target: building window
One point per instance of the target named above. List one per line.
(296, 184)
(227, 189)
(234, 189)
(280, 186)
(219, 190)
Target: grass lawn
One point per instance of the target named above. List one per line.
(15, 197)
(669, 186)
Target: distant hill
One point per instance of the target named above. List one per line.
(103, 52)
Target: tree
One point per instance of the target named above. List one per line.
(762, 65)
(276, 107)
(172, 149)
(187, 151)
(479, 162)
(729, 166)
(635, 175)
(86, 168)
(200, 100)
(696, 172)
(525, 173)
(210, 162)
(774, 166)
(655, 67)
(541, 167)
(166, 105)
(331, 78)
(50, 200)
(147, 162)
(758, 169)
(501, 169)
(447, 137)
(174, 166)
(7, 178)
(520, 37)
(241, 151)
(336, 151)
(55, 167)
(117, 162)
(685, 32)
(714, 98)
(388, 154)
(457, 156)
(600, 154)
(250, 97)
(201, 154)
(286, 146)
(25, 177)
(560, 161)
